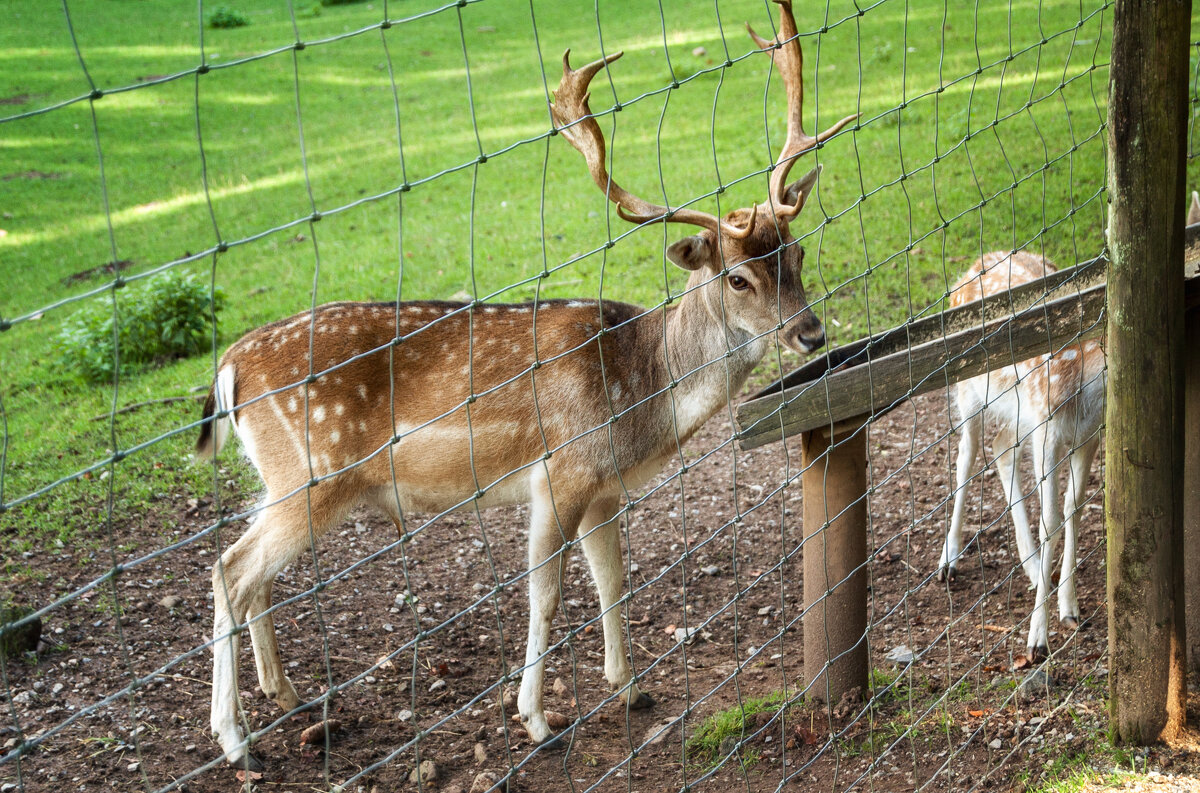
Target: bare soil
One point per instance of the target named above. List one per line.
(702, 554)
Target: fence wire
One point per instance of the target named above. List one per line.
(405, 156)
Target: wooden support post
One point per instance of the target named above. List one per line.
(1147, 122)
(835, 555)
(1191, 487)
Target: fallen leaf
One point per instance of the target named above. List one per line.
(316, 733)
(1020, 662)
(254, 776)
(996, 628)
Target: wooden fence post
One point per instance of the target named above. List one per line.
(1144, 446)
(835, 555)
(1191, 490)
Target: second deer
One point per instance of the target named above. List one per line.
(1054, 404)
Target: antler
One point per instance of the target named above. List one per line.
(577, 125)
(789, 60)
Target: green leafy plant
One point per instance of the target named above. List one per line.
(226, 17)
(167, 318)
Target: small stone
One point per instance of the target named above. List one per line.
(427, 771)
(510, 699)
(134, 766)
(437, 685)
(405, 715)
(660, 733)
(481, 754)
(995, 743)
(8, 787)
(487, 780)
(560, 689)
(901, 654)
(685, 634)
(764, 611)
(58, 687)
(711, 570)
(1037, 684)
(23, 698)
(191, 747)
(170, 601)
(557, 721)
(699, 52)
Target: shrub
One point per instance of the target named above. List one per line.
(167, 318)
(226, 17)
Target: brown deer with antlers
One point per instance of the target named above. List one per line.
(434, 406)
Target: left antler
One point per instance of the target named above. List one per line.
(789, 60)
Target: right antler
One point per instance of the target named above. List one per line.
(578, 126)
(789, 60)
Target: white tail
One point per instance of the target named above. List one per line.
(1055, 405)
(427, 407)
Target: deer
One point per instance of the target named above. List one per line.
(1054, 405)
(561, 404)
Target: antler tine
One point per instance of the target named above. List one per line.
(576, 123)
(789, 60)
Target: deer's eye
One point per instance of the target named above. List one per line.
(738, 283)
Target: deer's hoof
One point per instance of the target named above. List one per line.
(1038, 653)
(1071, 623)
(642, 702)
(248, 763)
(947, 573)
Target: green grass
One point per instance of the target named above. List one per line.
(975, 136)
(704, 745)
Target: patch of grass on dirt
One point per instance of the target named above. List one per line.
(712, 739)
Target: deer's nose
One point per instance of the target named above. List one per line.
(811, 338)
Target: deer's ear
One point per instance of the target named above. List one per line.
(797, 192)
(690, 253)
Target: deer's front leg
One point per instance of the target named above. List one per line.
(600, 533)
(553, 521)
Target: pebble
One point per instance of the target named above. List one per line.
(170, 601)
(995, 743)
(134, 766)
(901, 654)
(1037, 683)
(560, 688)
(711, 570)
(437, 685)
(485, 781)
(405, 715)
(427, 771)
(699, 52)
(481, 754)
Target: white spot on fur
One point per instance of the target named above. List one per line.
(292, 405)
(335, 436)
(362, 391)
(319, 413)
(339, 408)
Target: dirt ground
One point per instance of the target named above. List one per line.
(964, 715)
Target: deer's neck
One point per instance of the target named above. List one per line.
(693, 346)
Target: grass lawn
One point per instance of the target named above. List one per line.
(425, 148)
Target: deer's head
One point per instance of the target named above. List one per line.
(747, 264)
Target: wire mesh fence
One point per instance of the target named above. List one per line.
(519, 473)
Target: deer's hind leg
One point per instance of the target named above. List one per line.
(242, 583)
(554, 520)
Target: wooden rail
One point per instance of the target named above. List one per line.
(865, 379)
